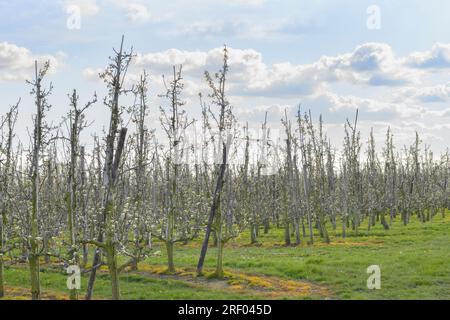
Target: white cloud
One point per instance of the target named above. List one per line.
(370, 64)
(203, 29)
(137, 12)
(249, 75)
(256, 114)
(426, 94)
(17, 63)
(372, 108)
(246, 2)
(242, 28)
(161, 62)
(255, 86)
(134, 11)
(436, 58)
(91, 74)
(236, 3)
(87, 7)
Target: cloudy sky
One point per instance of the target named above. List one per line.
(390, 59)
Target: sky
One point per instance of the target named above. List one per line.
(389, 59)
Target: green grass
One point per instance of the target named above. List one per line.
(414, 261)
(133, 287)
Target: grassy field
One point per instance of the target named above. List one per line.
(414, 262)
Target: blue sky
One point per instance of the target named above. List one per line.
(318, 53)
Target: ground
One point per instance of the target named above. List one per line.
(414, 262)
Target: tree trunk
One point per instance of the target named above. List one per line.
(33, 258)
(214, 236)
(253, 235)
(2, 281)
(170, 263)
(2, 287)
(297, 231)
(113, 270)
(287, 236)
(266, 225)
(214, 207)
(323, 229)
(383, 222)
(344, 226)
(85, 255)
(35, 181)
(33, 261)
(219, 265)
(95, 263)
